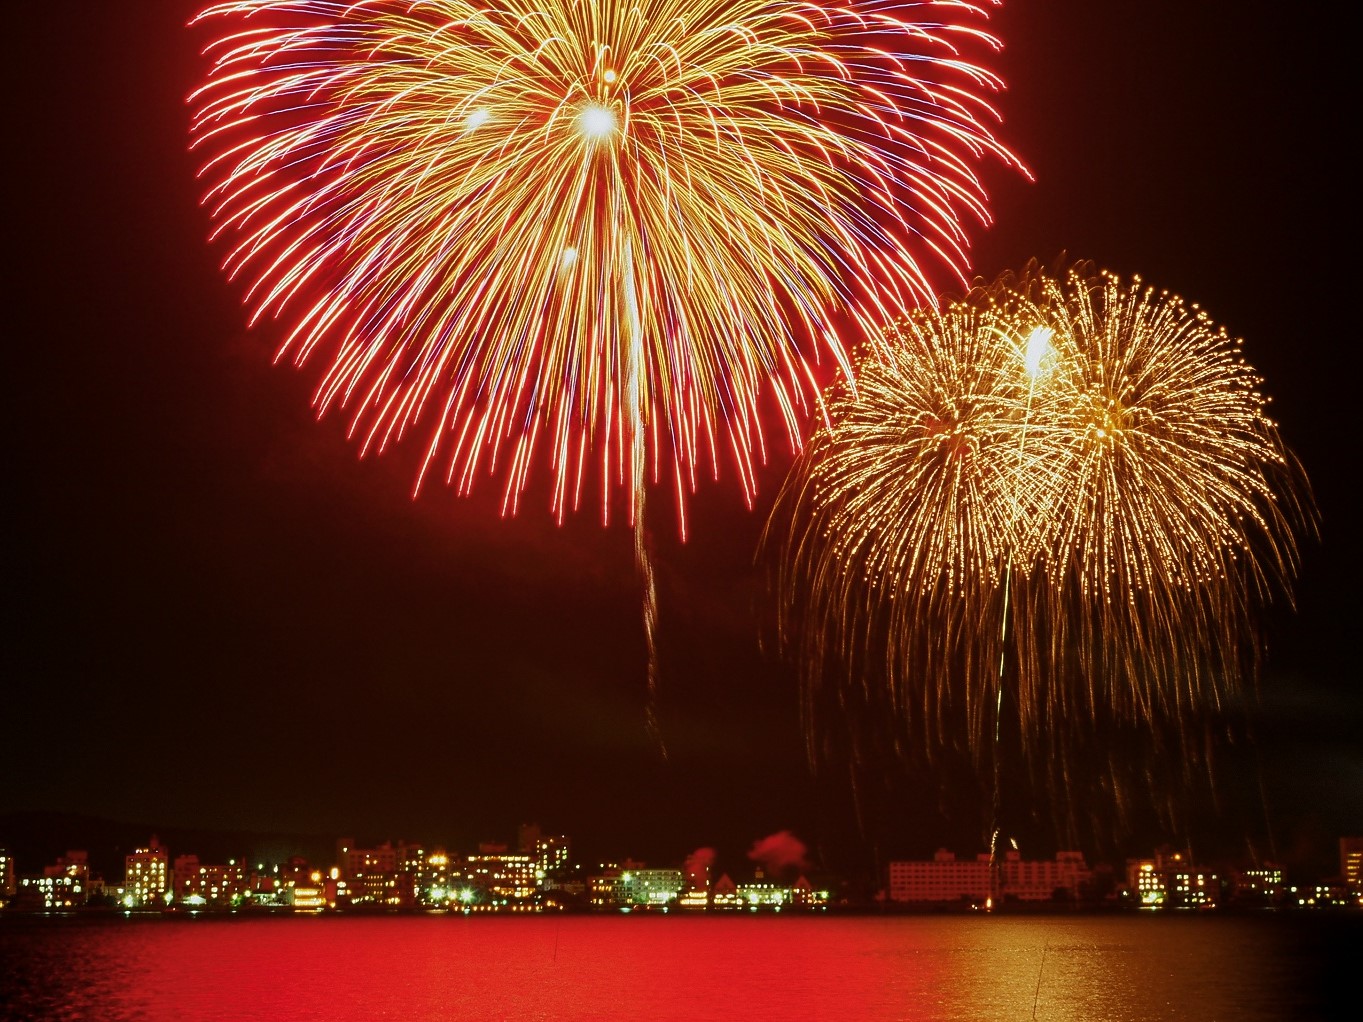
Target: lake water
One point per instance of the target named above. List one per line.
(659, 968)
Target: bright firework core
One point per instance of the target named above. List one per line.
(596, 121)
(1038, 347)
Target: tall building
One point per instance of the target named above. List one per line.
(8, 881)
(552, 853)
(1351, 864)
(946, 878)
(146, 875)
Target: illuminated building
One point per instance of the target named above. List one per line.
(696, 893)
(305, 887)
(436, 879)
(763, 894)
(214, 884)
(760, 892)
(1351, 865)
(1147, 884)
(146, 876)
(548, 853)
(1193, 888)
(1172, 881)
(1330, 894)
(1261, 885)
(552, 853)
(725, 894)
(803, 895)
(51, 893)
(606, 887)
(501, 876)
(649, 888)
(375, 889)
(946, 878)
(65, 884)
(309, 893)
(8, 881)
(414, 873)
(263, 887)
(355, 862)
(372, 873)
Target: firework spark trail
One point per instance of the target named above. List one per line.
(1142, 499)
(1033, 354)
(643, 562)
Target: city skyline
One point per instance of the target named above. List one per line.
(539, 872)
(226, 621)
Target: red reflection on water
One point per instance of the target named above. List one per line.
(785, 969)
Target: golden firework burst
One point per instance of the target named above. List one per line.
(585, 225)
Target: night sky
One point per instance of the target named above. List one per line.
(221, 618)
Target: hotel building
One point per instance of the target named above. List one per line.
(501, 875)
(146, 876)
(946, 878)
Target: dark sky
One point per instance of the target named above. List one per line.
(221, 618)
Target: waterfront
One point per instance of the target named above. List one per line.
(1128, 968)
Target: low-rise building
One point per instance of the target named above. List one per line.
(650, 888)
(51, 893)
(1258, 886)
(1172, 880)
